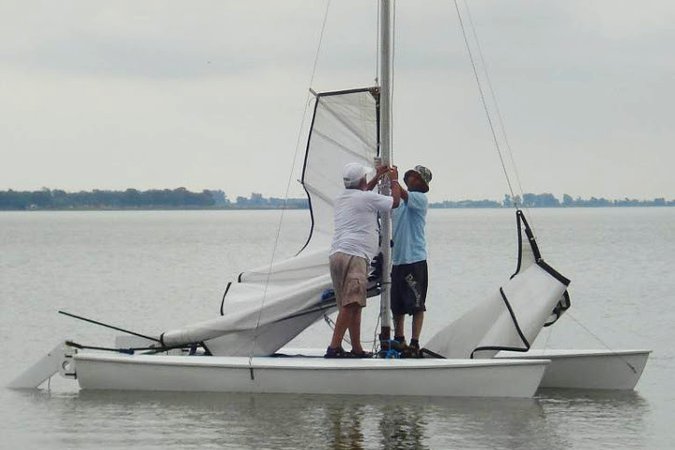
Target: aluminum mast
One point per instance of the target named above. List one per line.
(386, 40)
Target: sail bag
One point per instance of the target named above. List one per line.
(535, 296)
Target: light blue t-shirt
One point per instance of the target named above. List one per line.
(409, 220)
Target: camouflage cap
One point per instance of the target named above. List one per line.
(423, 172)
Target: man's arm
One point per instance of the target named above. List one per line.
(402, 192)
(396, 189)
(396, 186)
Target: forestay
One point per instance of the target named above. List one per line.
(269, 306)
(535, 296)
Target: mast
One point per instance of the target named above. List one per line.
(386, 40)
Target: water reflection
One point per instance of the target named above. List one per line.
(615, 419)
(309, 421)
(342, 426)
(183, 420)
(403, 426)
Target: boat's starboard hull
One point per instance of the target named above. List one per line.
(588, 369)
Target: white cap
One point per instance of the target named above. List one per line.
(352, 174)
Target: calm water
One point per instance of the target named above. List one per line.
(149, 271)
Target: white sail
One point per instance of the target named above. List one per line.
(511, 319)
(344, 129)
(269, 306)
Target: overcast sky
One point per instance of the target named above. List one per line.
(211, 94)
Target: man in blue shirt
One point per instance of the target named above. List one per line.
(409, 276)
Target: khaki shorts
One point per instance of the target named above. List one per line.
(350, 277)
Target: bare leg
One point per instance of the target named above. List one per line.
(398, 325)
(355, 328)
(418, 319)
(341, 325)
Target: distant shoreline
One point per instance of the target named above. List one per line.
(180, 199)
(38, 210)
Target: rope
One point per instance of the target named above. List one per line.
(288, 186)
(376, 340)
(127, 351)
(484, 102)
(95, 322)
(331, 324)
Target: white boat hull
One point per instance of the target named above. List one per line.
(588, 369)
(308, 375)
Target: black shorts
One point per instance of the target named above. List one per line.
(409, 284)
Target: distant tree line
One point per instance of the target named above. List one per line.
(466, 204)
(181, 198)
(257, 201)
(550, 201)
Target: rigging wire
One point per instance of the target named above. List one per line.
(391, 83)
(603, 343)
(484, 102)
(377, 45)
(500, 119)
(288, 182)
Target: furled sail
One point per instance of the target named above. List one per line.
(535, 296)
(269, 306)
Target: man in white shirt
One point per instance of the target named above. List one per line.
(355, 243)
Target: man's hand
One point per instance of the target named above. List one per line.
(393, 173)
(381, 171)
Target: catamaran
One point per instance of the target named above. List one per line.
(241, 350)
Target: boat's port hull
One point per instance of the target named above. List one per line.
(451, 378)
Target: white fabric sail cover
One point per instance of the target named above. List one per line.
(269, 306)
(513, 317)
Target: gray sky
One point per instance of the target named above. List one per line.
(211, 94)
